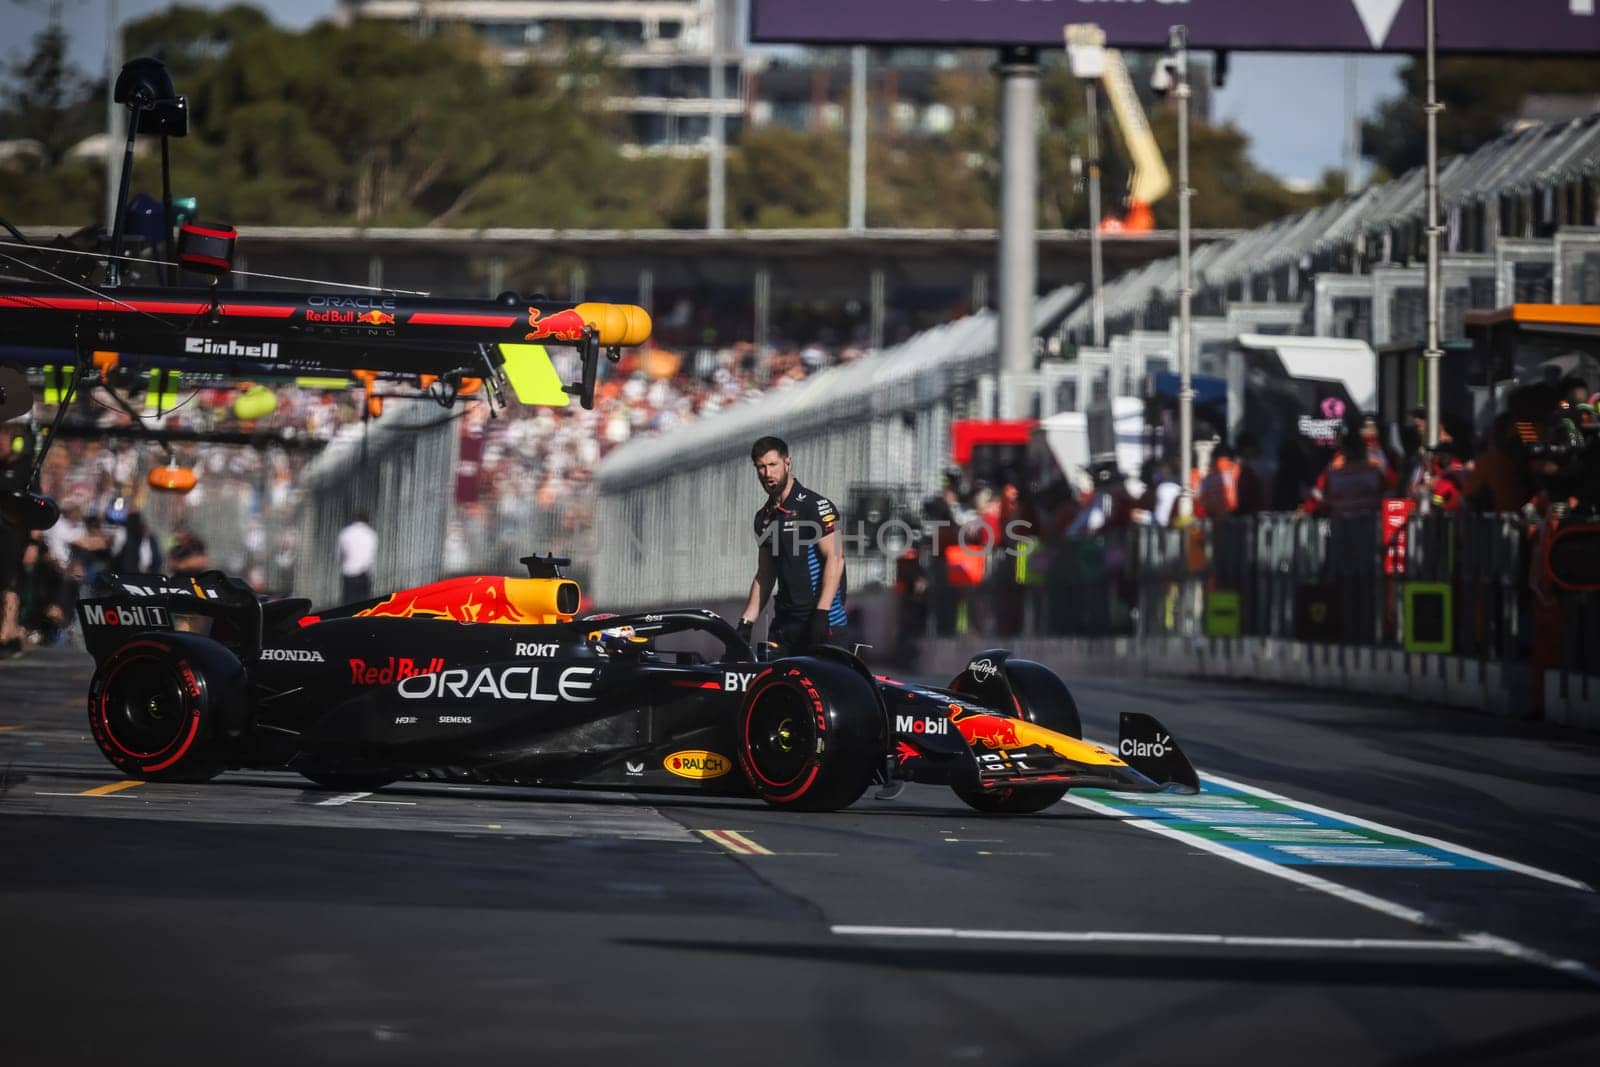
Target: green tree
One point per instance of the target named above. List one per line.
(779, 177)
(48, 98)
(1480, 95)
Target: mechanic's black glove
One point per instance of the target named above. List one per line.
(746, 630)
(817, 629)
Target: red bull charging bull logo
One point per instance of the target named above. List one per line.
(993, 731)
(480, 599)
(565, 325)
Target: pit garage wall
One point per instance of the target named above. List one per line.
(1571, 699)
(1449, 681)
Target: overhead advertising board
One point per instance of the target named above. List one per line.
(1484, 26)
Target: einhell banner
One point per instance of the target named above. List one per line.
(1554, 26)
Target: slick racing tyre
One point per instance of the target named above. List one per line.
(810, 735)
(1041, 698)
(159, 707)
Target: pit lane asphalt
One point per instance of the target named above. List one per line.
(251, 920)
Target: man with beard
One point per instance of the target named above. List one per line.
(799, 556)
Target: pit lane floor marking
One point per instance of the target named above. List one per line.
(1489, 942)
(1359, 944)
(111, 787)
(734, 841)
(341, 799)
(1280, 829)
(1444, 846)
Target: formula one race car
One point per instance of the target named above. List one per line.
(492, 679)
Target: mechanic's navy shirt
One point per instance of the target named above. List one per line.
(790, 530)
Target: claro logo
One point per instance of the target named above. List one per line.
(697, 763)
(1159, 747)
(509, 683)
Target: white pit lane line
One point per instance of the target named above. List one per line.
(1122, 937)
(341, 800)
(1485, 941)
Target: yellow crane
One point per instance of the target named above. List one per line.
(1149, 180)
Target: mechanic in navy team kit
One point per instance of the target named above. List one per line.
(798, 550)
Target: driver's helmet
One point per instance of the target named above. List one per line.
(619, 639)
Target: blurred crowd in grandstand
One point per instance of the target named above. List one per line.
(240, 515)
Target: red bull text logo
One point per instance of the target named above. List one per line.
(565, 325)
(396, 669)
(350, 310)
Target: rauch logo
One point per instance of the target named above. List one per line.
(698, 764)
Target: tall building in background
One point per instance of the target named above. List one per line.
(664, 46)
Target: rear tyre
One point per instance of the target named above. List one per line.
(810, 735)
(160, 707)
(1042, 698)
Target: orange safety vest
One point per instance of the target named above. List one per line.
(1219, 491)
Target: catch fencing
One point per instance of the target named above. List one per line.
(402, 471)
(398, 471)
(1463, 584)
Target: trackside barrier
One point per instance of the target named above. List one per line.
(1451, 681)
(1444, 611)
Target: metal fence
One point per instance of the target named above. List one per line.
(399, 471)
(1449, 583)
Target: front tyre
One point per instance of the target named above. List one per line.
(159, 707)
(1010, 800)
(1041, 697)
(810, 735)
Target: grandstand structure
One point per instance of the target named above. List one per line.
(1523, 225)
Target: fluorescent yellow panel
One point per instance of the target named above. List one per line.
(533, 377)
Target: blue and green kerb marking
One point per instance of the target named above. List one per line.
(1281, 832)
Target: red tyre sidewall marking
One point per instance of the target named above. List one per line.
(744, 749)
(100, 721)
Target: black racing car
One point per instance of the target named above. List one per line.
(492, 679)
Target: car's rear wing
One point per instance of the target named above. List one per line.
(211, 603)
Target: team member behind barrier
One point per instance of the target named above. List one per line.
(798, 551)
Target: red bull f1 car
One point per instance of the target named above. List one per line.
(496, 680)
